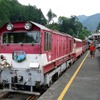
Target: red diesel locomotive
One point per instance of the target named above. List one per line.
(31, 55)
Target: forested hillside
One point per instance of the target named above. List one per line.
(91, 22)
(12, 10)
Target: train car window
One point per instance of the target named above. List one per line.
(47, 41)
(71, 45)
(21, 37)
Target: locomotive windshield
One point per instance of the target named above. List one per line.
(21, 37)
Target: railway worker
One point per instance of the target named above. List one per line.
(92, 50)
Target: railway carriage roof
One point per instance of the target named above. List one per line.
(40, 26)
(76, 39)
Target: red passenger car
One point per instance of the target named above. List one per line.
(77, 48)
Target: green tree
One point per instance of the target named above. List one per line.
(53, 26)
(73, 27)
(4, 13)
(64, 24)
(50, 16)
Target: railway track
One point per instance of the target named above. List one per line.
(17, 96)
(32, 97)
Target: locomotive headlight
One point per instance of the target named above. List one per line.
(9, 26)
(28, 26)
(34, 65)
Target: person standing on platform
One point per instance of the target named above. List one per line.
(92, 50)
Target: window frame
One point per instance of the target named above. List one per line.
(47, 41)
(22, 32)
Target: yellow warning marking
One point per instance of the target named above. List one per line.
(71, 80)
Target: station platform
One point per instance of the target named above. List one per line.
(80, 82)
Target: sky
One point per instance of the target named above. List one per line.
(65, 8)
